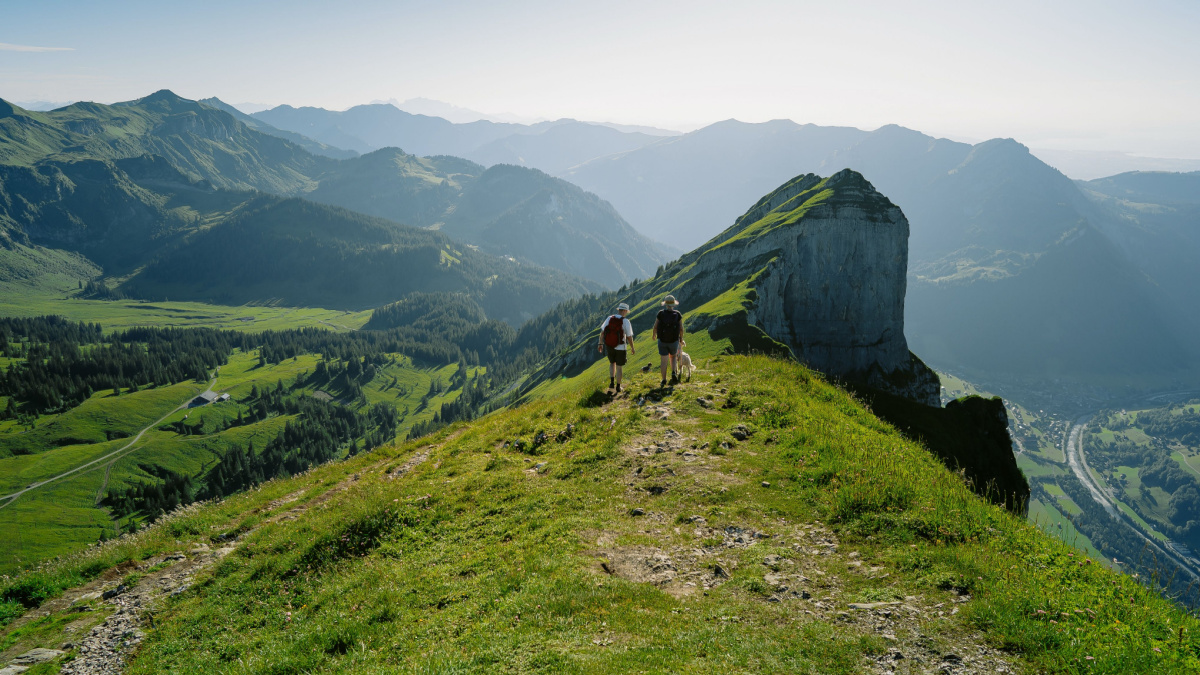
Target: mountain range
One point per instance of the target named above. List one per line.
(754, 516)
(530, 218)
(1016, 272)
(550, 146)
(158, 235)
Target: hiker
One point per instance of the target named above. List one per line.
(616, 333)
(668, 329)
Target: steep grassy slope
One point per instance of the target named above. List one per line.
(754, 520)
(90, 207)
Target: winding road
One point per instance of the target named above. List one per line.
(114, 455)
(1077, 461)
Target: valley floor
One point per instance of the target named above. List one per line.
(754, 519)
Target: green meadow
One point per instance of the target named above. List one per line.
(647, 538)
(66, 515)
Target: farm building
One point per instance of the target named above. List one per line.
(203, 399)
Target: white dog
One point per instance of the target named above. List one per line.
(685, 364)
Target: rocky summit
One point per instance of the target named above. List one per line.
(818, 267)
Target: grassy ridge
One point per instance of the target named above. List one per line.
(479, 560)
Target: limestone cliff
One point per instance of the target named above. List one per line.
(816, 269)
(819, 265)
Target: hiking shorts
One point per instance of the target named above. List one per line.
(668, 348)
(615, 355)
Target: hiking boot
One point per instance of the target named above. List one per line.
(610, 383)
(618, 387)
(674, 378)
(663, 383)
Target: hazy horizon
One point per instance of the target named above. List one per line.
(1067, 76)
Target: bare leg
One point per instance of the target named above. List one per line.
(620, 372)
(663, 366)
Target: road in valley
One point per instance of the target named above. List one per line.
(1077, 461)
(113, 456)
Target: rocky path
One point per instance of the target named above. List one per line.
(922, 634)
(104, 648)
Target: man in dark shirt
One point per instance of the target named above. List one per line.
(668, 330)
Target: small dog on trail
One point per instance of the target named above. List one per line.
(685, 364)
(646, 368)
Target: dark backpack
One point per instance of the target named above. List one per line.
(668, 325)
(614, 331)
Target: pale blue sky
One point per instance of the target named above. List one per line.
(1077, 75)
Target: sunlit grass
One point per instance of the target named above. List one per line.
(471, 563)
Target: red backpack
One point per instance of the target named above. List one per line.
(614, 331)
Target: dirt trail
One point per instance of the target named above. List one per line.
(110, 457)
(103, 649)
(693, 558)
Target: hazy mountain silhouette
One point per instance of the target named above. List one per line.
(506, 210)
(552, 147)
(315, 147)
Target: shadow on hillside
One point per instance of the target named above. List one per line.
(969, 435)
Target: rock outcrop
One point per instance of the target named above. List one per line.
(819, 265)
(816, 269)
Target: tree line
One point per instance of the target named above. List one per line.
(318, 434)
(59, 371)
(61, 363)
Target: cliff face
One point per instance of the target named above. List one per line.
(816, 269)
(826, 262)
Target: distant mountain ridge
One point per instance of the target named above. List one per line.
(166, 236)
(1013, 268)
(550, 146)
(505, 210)
(203, 142)
(213, 142)
(315, 147)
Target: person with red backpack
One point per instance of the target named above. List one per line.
(616, 333)
(668, 329)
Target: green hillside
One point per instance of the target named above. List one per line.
(203, 142)
(390, 184)
(506, 210)
(156, 234)
(97, 419)
(756, 519)
(299, 253)
(121, 183)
